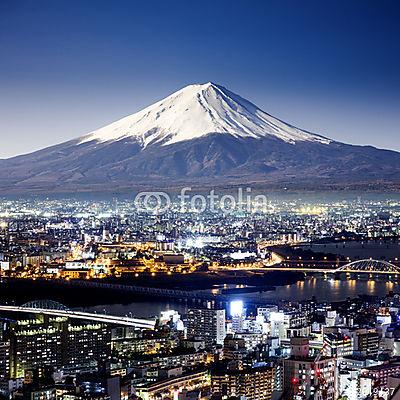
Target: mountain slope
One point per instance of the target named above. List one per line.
(200, 135)
(195, 111)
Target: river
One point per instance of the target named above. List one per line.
(324, 289)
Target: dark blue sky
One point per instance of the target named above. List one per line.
(68, 67)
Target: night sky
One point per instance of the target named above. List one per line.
(69, 67)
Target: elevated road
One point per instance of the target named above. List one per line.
(300, 269)
(109, 319)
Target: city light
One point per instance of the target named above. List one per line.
(236, 307)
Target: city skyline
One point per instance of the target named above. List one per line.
(102, 298)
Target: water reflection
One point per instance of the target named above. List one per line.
(328, 289)
(323, 288)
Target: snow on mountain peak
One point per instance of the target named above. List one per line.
(198, 110)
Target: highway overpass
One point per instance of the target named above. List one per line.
(109, 319)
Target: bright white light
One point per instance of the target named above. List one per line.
(198, 243)
(236, 307)
(238, 255)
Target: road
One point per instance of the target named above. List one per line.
(110, 319)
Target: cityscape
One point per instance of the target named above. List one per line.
(199, 200)
(215, 323)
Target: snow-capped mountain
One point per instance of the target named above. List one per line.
(201, 135)
(196, 111)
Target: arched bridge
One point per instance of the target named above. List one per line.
(370, 266)
(45, 305)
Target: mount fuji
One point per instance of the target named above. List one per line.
(201, 134)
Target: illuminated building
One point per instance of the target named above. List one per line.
(238, 314)
(207, 324)
(87, 341)
(288, 324)
(36, 342)
(4, 366)
(44, 394)
(56, 342)
(308, 377)
(249, 383)
(338, 345)
(301, 378)
(368, 343)
(234, 348)
(377, 376)
(171, 386)
(348, 383)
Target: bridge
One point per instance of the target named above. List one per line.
(59, 310)
(367, 266)
(179, 294)
(371, 267)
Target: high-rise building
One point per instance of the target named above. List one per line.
(36, 342)
(338, 345)
(249, 383)
(348, 383)
(208, 324)
(308, 377)
(87, 341)
(266, 311)
(368, 343)
(234, 348)
(238, 314)
(56, 342)
(4, 366)
(374, 377)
